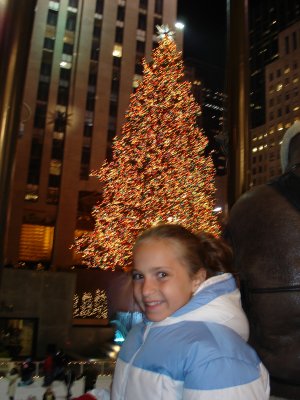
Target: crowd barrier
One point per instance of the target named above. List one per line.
(104, 370)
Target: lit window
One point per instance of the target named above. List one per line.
(279, 87)
(36, 242)
(53, 5)
(254, 150)
(279, 127)
(117, 51)
(65, 64)
(136, 80)
(55, 167)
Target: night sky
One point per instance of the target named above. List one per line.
(205, 30)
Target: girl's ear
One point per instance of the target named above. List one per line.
(199, 277)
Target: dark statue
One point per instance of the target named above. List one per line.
(264, 231)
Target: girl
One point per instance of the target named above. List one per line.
(192, 344)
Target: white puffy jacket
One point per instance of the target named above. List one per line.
(198, 353)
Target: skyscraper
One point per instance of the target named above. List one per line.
(266, 19)
(282, 106)
(84, 62)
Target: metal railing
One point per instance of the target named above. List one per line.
(104, 367)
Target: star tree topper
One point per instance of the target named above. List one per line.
(164, 31)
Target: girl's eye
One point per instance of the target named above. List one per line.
(136, 276)
(162, 274)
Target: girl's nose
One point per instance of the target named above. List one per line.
(148, 287)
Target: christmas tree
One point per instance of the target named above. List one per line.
(158, 172)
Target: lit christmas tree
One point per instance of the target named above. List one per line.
(158, 171)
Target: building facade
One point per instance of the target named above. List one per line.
(282, 106)
(84, 63)
(267, 18)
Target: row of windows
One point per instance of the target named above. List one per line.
(285, 71)
(272, 171)
(287, 109)
(287, 96)
(52, 19)
(281, 86)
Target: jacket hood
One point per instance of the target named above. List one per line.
(217, 300)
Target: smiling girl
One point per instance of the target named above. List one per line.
(192, 343)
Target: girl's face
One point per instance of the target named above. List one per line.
(161, 281)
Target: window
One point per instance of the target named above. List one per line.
(156, 22)
(55, 167)
(99, 6)
(49, 43)
(43, 91)
(117, 51)
(71, 22)
(85, 155)
(158, 9)
(115, 85)
(52, 17)
(278, 73)
(65, 74)
(97, 32)
(46, 69)
(62, 95)
(54, 181)
(88, 130)
(68, 48)
(85, 161)
(90, 102)
(140, 47)
(143, 4)
(73, 3)
(119, 35)
(139, 69)
(95, 51)
(294, 40)
(287, 45)
(117, 61)
(53, 195)
(92, 79)
(121, 13)
(271, 76)
(113, 108)
(36, 244)
(142, 22)
(40, 116)
(57, 152)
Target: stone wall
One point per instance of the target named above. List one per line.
(48, 297)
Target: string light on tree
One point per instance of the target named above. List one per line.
(90, 306)
(158, 172)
